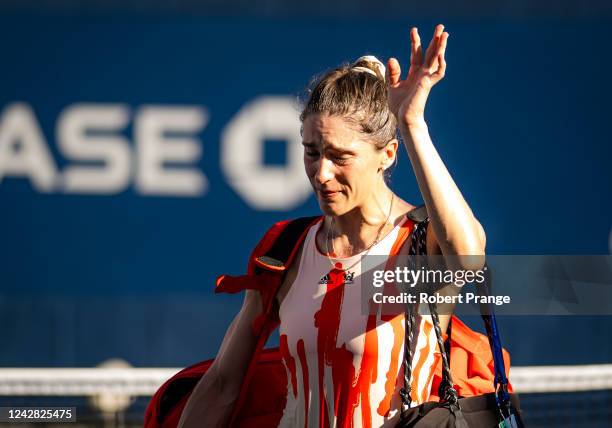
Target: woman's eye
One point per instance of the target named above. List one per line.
(340, 160)
(312, 153)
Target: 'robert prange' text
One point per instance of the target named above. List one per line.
(439, 299)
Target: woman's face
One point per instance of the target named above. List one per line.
(342, 167)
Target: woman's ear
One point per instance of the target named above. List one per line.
(389, 153)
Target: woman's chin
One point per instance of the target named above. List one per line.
(331, 208)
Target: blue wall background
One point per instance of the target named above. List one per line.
(521, 120)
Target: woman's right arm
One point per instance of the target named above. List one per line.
(212, 400)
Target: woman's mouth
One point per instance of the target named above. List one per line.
(328, 194)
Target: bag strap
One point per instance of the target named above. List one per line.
(281, 252)
(446, 389)
(488, 316)
(418, 245)
(500, 382)
(280, 255)
(274, 261)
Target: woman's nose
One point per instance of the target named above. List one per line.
(324, 170)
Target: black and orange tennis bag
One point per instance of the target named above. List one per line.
(263, 392)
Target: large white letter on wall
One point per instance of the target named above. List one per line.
(90, 133)
(23, 150)
(156, 132)
(265, 187)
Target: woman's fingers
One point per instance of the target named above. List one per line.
(393, 71)
(431, 55)
(416, 54)
(441, 69)
(439, 74)
(434, 56)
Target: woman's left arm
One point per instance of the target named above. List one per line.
(456, 231)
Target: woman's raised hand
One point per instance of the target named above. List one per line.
(407, 97)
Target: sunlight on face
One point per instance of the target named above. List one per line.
(342, 167)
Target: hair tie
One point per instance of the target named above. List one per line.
(372, 59)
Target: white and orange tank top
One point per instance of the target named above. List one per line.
(344, 366)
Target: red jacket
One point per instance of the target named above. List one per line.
(471, 359)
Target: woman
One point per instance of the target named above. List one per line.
(330, 347)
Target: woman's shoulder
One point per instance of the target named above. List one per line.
(402, 209)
